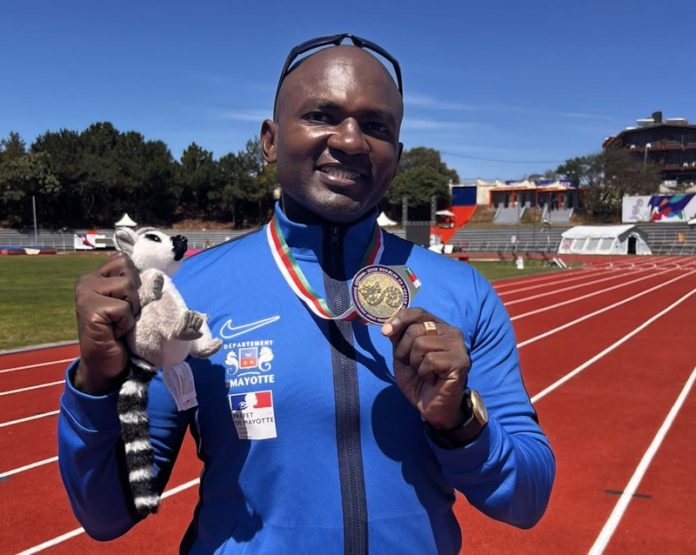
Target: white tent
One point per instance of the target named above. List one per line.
(125, 221)
(385, 221)
(603, 239)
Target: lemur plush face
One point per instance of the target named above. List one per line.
(150, 248)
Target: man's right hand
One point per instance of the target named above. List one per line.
(106, 301)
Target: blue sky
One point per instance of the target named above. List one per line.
(502, 88)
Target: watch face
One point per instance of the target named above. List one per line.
(478, 408)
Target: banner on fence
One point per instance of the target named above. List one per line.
(635, 209)
(659, 208)
(89, 241)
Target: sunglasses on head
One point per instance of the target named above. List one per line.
(335, 40)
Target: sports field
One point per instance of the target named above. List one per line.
(607, 358)
(36, 294)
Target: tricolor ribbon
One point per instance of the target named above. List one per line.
(412, 277)
(296, 279)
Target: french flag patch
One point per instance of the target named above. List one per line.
(253, 414)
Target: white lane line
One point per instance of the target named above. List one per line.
(564, 289)
(187, 485)
(588, 295)
(596, 312)
(60, 539)
(583, 297)
(570, 375)
(546, 277)
(610, 526)
(614, 273)
(23, 389)
(37, 365)
(24, 468)
(181, 487)
(552, 279)
(572, 272)
(27, 419)
(51, 543)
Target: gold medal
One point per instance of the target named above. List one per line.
(378, 293)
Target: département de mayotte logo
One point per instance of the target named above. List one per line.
(253, 359)
(247, 362)
(249, 365)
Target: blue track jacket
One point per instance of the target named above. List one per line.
(307, 443)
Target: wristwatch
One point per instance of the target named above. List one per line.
(475, 420)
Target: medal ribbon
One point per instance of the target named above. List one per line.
(296, 279)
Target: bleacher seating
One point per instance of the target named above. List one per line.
(508, 215)
(667, 239)
(670, 239)
(561, 216)
(509, 241)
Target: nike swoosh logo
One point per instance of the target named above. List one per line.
(228, 331)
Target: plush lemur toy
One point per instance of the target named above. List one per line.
(165, 333)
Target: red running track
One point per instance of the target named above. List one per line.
(607, 358)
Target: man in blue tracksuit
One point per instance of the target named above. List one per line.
(320, 433)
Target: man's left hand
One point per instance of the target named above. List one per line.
(431, 364)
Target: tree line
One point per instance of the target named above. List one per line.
(91, 177)
(607, 177)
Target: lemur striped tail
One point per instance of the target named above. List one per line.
(135, 432)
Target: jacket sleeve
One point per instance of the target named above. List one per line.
(90, 454)
(507, 472)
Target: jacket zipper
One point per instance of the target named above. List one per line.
(347, 399)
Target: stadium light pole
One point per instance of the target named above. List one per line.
(518, 219)
(33, 208)
(648, 146)
(534, 224)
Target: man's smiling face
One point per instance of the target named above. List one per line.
(336, 135)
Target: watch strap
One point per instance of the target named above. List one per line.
(462, 435)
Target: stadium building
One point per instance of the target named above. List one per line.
(670, 143)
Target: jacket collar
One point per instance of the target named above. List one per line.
(306, 240)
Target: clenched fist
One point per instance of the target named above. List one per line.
(106, 301)
(431, 364)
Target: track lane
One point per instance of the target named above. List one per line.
(38, 496)
(588, 269)
(597, 424)
(600, 280)
(670, 485)
(159, 534)
(611, 301)
(545, 361)
(597, 310)
(29, 402)
(27, 443)
(531, 287)
(589, 288)
(25, 378)
(34, 505)
(545, 415)
(37, 355)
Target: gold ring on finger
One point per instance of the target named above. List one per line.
(430, 328)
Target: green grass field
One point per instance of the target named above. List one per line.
(500, 270)
(37, 297)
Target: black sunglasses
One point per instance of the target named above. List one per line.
(318, 42)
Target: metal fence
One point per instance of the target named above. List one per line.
(65, 240)
(663, 239)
